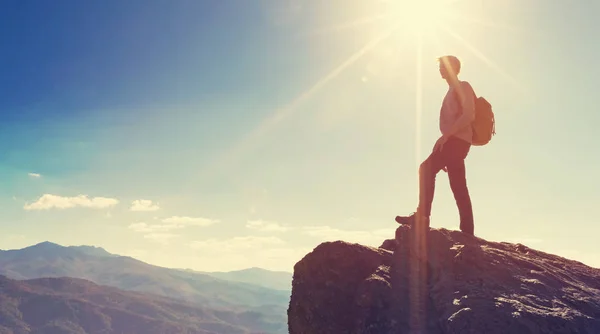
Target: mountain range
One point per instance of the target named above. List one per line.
(75, 306)
(239, 291)
(280, 280)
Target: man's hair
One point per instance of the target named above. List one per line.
(451, 63)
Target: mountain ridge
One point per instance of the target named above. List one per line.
(232, 275)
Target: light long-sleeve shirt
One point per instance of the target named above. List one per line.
(451, 111)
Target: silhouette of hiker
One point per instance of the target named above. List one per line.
(449, 152)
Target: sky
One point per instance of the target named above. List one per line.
(221, 134)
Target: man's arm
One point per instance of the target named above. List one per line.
(467, 101)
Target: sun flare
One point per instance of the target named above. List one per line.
(417, 15)
(392, 34)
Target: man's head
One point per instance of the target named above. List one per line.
(449, 66)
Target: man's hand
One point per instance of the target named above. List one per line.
(439, 144)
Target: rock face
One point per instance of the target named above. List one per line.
(439, 282)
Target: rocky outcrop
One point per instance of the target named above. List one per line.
(441, 281)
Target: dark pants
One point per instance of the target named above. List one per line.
(452, 156)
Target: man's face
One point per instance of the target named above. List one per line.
(445, 69)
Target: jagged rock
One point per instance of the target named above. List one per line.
(389, 244)
(441, 282)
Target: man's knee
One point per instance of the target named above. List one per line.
(423, 167)
(426, 167)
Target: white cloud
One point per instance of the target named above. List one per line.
(158, 232)
(143, 205)
(190, 221)
(266, 226)
(49, 201)
(368, 238)
(145, 228)
(236, 244)
(161, 238)
(34, 175)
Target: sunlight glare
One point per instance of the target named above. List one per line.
(417, 15)
(485, 59)
(230, 157)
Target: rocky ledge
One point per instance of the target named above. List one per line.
(439, 281)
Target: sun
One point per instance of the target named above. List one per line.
(418, 16)
(389, 27)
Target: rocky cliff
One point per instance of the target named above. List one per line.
(439, 282)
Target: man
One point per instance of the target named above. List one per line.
(450, 150)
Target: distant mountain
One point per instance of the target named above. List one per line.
(74, 306)
(95, 264)
(95, 251)
(49, 249)
(280, 280)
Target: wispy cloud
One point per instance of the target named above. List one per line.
(266, 226)
(190, 221)
(49, 201)
(161, 238)
(236, 244)
(34, 175)
(158, 232)
(143, 205)
(146, 228)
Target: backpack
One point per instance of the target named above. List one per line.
(484, 125)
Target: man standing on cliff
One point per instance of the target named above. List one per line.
(449, 153)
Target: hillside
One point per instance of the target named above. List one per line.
(442, 282)
(95, 264)
(74, 306)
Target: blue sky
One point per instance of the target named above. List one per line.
(218, 135)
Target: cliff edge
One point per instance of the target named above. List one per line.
(439, 282)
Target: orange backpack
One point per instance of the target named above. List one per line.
(484, 125)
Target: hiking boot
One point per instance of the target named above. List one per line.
(411, 219)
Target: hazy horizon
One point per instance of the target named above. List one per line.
(223, 135)
(120, 255)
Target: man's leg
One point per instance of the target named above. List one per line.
(428, 171)
(458, 184)
(427, 174)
